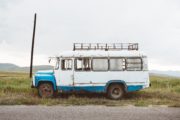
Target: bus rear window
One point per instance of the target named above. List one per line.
(133, 64)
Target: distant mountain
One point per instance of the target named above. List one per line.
(14, 68)
(8, 66)
(37, 67)
(165, 73)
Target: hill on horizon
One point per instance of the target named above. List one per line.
(8, 67)
(165, 73)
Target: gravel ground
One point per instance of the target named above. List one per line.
(88, 113)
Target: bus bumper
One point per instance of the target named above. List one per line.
(32, 86)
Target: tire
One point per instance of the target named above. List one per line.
(46, 90)
(115, 91)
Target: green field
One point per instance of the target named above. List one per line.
(15, 90)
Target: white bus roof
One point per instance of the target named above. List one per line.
(99, 53)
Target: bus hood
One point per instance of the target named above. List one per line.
(50, 72)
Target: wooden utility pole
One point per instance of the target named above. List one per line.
(32, 47)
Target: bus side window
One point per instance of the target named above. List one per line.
(133, 64)
(100, 64)
(87, 64)
(83, 64)
(79, 65)
(66, 64)
(116, 64)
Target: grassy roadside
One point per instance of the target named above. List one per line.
(15, 90)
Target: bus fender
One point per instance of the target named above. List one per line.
(116, 82)
(45, 78)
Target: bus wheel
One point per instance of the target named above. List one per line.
(45, 90)
(115, 91)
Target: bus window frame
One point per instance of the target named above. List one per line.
(118, 58)
(100, 58)
(71, 64)
(57, 64)
(141, 63)
(82, 70)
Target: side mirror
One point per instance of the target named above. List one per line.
(49, 60)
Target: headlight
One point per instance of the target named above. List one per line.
(33, 81)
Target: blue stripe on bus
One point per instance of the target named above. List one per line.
(82, 88)
(132, 88)
(99, 89)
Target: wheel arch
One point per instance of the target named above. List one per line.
(47, 81)
(120, 82)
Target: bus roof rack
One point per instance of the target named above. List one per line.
(105, 46)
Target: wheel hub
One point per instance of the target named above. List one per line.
(46, 90)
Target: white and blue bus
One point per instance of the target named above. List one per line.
(114, 69)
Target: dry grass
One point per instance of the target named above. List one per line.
(15, 90)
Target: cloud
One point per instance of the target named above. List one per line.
(153, 24)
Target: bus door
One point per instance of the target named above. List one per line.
(82, 72)
(66, 74)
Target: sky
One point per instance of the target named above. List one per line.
(154, 24)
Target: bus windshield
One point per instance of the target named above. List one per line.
(54, 62)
